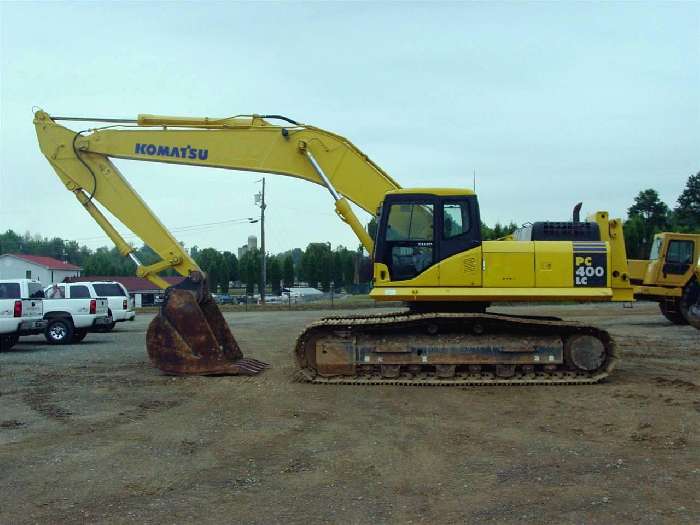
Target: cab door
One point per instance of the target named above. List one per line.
(408, 246)
(459, 245)
(678, 262)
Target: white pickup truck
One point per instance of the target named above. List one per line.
(71, 313)
(121, 306)
(21, 310)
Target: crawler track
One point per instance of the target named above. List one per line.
(450, 349)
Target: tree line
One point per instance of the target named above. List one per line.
(650, 215)
(323, 267)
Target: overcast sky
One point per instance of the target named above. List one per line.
(550, 103)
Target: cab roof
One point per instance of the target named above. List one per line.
(452, 192)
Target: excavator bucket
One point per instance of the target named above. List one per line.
(190, 336)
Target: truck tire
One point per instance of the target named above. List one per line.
(106, 327)
(79, 334)
(671, 311)
(7, 342)
(690, 304)
(59, 331)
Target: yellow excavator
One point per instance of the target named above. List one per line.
(428, 253)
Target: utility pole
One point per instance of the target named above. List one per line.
(260, 201)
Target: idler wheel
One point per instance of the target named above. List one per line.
(584, 352)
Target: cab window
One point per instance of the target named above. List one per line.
(680, 252)
(79, 292)
(9, 291)
(35, 291)
(455, 219)
(410, 222)
(655, 248)
(409, 238)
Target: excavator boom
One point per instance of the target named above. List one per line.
(189, 335)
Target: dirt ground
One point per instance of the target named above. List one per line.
(92, 433)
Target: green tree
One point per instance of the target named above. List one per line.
(649, 207)
(686, 215)
(231, 267)
(316, 265)
(211, 262)
(647, 216)
(274, 274)
(10, 242)
(249, 266)
(288, 271)
(636, 242)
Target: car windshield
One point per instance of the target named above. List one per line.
(108, 290)
(9, 291)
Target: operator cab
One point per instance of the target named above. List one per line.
(420, 227)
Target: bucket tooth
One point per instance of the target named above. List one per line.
(191, 337)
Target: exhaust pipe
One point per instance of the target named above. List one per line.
(577, 213)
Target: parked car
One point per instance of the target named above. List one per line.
(72, 312)
(121, 306)
(21, 310)
(223, 298)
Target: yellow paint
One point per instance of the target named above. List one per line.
(461, 269)
(554, 265)
(416, 293)
(509, 264)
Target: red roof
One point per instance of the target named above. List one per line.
(132, 284)
(46, 262)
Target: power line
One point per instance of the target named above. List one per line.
(179, 229)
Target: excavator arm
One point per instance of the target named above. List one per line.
(190, 336)
(82, 161)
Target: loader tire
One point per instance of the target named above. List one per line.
(690, 304)
(671, 311)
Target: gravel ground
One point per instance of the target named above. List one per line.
(92, 433)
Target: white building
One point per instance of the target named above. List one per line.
(46, 269)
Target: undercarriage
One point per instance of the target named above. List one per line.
(453, 349)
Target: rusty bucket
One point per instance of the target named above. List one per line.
(190, 336)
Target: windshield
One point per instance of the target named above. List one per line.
(655, 247)
(109, 290)
(410, 222)
(9, 291)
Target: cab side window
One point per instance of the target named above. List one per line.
(79, 292)
(680, 252)
(455, 219)
(679, 257)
